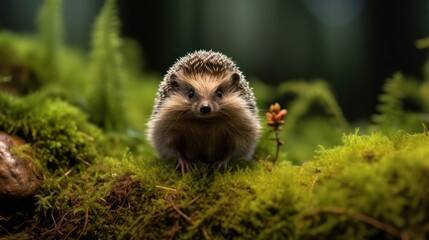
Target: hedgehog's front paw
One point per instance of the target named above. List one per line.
(183, 165)
(220, 164)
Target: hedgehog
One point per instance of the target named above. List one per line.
(204, 111)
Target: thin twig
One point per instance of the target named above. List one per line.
(69, 233)
(4, 230)
(166, 188)
(193, 200)
(68, 172)
(85, 224)
(122, 205)
(170, 233)
(171, 203)
(206, 234)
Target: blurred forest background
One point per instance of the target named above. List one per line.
(352, 44)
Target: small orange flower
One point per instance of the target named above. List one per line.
(276, 115)
(275, 108)
(275, 119)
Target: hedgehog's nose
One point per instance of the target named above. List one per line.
(205, 108)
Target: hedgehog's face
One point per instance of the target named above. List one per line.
(204, 94)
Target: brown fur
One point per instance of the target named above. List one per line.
(178, 128)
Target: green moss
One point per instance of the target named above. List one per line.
(58, 132)
(391, 191)
(325, 198)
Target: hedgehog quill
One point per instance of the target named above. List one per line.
(204, 111)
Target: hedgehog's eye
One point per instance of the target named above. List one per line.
(191, 94)
(219, 94)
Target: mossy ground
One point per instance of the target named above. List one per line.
(111, 185)
(102, 180)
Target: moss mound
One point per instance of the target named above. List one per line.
(371, 187)
(59, 133)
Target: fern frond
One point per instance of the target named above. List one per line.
(107, 71)
(308, 93)
(392, 114)
(390, 106)
(50, 31)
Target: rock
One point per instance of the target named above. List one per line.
(18, 174)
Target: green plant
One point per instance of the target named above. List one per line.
(393, 112)
(107, 72)
(50, 31)
(275, 119)
(307, 129)
(308, 93)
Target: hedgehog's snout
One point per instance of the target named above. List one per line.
(205, 108)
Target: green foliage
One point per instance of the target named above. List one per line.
(51, 35)
(393, 113)
(107, 74)
(20, 63)
(23, 64)
(305, 129)
(308, 93)
(58, 132)
(42, 63)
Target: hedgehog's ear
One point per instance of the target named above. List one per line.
(174, 84)
(235, 80)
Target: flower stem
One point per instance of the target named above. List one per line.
(279, 143)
